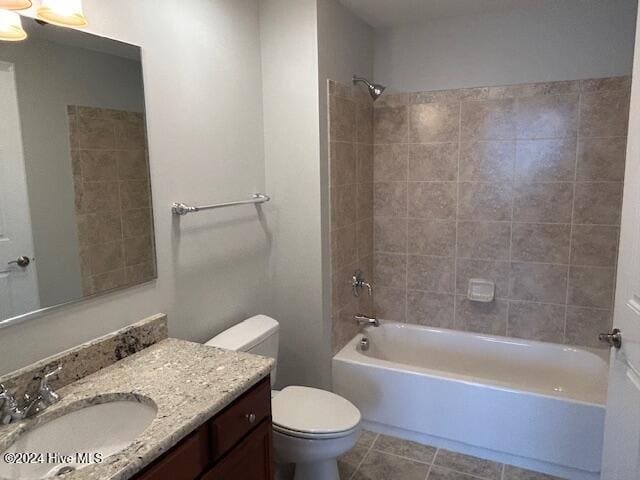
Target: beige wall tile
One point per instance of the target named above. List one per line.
(342, 163)
(432, 237)
(484, 201)
(604, 114)
(551, 160)
(431, 274)
(390, 162)
(391, 125)
(133, 164)
(489, 318)
(344, 327)
(432, 309)
(584, 325)
(109, 281)
(365, 163)
(390, 304)
(101, 258)
(594, 245)
(601, 159)
(344, 246)
(538, 282)
(434, 122)
(390, 270)
(543, 202)
(390, 234)
(364, 123)
(343, 205)
(136, 223)
(487, 161)
(497, 272)
(140, 273)
(96, 133)
(342, 114)
(138, 250)
(548, 116)
(104, 227)
(432, 200)
(390, 198)
(364, 200)
(598, 203)
(99, 165)
(364, 238)
(484, 240)
(608, 83)
(541, 243)
(488, 120)
(434, 161)
(97, 197)
(591, 286)
(536, 321)
(135, 194)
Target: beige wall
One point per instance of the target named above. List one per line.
(201, 65)
(520, 185)
(548, 40)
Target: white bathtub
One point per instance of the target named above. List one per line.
(531, 404)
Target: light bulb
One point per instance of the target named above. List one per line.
(11, 27)
(66, 13)
(15, 4)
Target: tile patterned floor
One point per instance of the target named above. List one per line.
(380, 457)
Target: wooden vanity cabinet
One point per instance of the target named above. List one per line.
(234, 445)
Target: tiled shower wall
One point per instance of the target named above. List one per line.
(351, 197)
(520, 185)
(112, 198)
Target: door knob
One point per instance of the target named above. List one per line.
(613, 339)
(21, 262)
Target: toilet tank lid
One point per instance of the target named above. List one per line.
(246, 335)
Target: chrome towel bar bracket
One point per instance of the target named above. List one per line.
(182, 209)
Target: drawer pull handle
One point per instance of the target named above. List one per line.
(251, 417)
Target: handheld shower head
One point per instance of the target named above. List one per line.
(375, 89)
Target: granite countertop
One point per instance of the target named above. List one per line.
(188, 382)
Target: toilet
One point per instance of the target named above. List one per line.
(311, 427)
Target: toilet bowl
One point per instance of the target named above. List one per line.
(311, 427)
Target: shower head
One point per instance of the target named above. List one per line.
(375, 89)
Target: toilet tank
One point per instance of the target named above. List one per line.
(258, 335)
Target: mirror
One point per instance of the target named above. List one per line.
(75, 193)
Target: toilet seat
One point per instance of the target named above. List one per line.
(311, 413)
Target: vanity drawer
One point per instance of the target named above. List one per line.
(230, 426)
(186, 461)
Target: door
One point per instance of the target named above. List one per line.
(18, 285)
(621, 457)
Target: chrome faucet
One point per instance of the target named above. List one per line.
(366, 321)
(358, 283)
(11, 411)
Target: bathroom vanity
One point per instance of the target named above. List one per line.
(235, 444)
(152, 407)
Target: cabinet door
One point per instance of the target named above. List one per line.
(250, 460)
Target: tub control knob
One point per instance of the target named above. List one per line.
(613, 339)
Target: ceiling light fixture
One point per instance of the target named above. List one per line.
(15, 4)
(11, 27)
(65, 13)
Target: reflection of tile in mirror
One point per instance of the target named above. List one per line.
(113, 197)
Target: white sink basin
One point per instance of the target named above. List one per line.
(96, 431)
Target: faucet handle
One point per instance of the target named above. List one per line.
(49, 374)
(47, 394)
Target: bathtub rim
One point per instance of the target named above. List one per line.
(351, 354)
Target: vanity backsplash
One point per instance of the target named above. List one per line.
(89, 357)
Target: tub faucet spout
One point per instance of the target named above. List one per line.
(366, 321)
